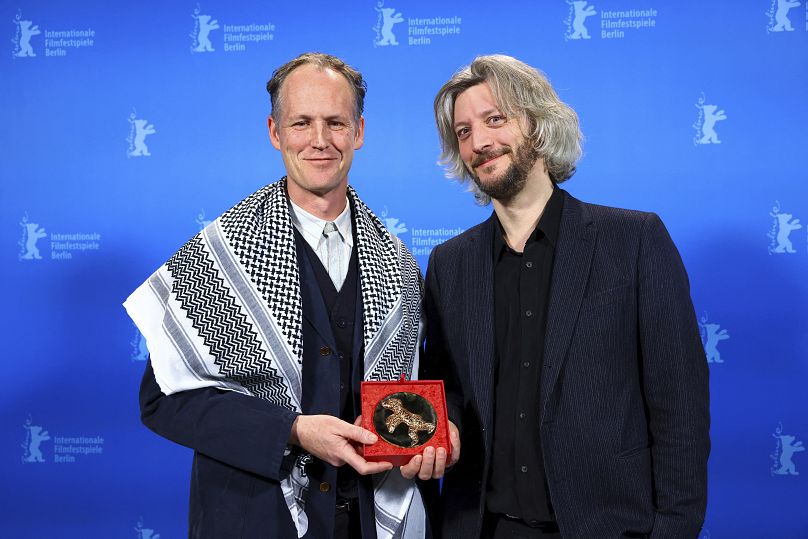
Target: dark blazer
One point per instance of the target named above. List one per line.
(239, 441)
(625, 406)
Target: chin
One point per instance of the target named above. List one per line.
(323, 186)
(491, 181)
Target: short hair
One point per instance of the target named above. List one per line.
(520, 91)
(322, 61)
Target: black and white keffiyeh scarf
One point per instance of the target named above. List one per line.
(225, 311)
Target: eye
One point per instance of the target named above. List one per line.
(336, 125)
(300, 124)
(496, 119)
(462, 133)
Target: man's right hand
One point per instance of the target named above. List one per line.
(332, 440)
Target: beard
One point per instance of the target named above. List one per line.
(513, 180)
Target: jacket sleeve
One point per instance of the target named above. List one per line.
(239, 430)
(437, 363)
(675, 380)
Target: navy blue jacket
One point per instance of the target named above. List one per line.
(625, 406)
(239, 441)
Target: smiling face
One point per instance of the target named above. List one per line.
(497, 155)
(316, 132)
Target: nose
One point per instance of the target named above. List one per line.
(320, 136)
(480, 140)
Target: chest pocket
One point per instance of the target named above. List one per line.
(618, 294)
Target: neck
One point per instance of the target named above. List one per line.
(327, 206)
(520, 214)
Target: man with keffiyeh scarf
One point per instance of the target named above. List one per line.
(262, 326)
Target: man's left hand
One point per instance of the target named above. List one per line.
(432, 463)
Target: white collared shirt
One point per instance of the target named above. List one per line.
(311, 228)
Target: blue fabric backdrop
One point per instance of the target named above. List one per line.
(127, 125)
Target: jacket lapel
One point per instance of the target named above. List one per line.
(573, 259)
(479, 318)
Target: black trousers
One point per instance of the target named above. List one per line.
(347, 524)
(497, 526)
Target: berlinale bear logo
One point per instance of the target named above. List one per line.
(784, 453)
(139, 129)
(34, 436)
(203, 26)
(579, 12)
(387, 18)
(31, 234)
(22, 40)
(393, 225)
(711, 335)
(709, 115)
(778, 15)
(783, 224)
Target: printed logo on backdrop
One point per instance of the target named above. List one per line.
(419, 31)
(62, 245)
(139, 129)
(779, 18)
(140, 352)
(711, 335)
(201, 221)
(393, 224)
(56, 43)
(783, 224)
(234, 37)
(425, 239)
(62, 450)
(708, 116)
(576, 27)
(35, 436)
(31, 234)
(387, 18)
(612, 23)
(786, 447)
(22, 37)
(143, 532)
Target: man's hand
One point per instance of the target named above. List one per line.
(432, 464)
(330, 439)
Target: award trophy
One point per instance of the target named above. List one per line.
(407, 416)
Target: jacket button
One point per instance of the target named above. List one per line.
(325, 487)
(325, 351)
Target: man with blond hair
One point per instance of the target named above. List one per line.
(261, 328)
(565, 333)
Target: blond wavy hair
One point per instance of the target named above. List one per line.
(520, 91)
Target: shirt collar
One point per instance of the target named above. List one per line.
(312, 226)
(547, 227)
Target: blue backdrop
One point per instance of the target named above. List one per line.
(127, 125)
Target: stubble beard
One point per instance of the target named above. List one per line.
(513, 180)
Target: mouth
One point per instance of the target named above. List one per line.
(491, 160)
(488, 158)
(320, 160)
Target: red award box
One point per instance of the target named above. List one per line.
(407, 415)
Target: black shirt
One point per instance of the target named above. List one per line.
(517, 483)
